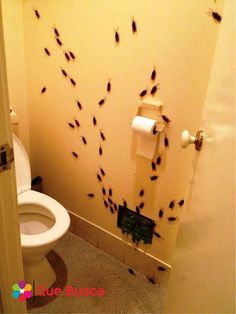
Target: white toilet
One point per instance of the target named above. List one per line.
(43, 221)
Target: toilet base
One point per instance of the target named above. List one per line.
(40, 273)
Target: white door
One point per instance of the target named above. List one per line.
(11, 266)
(202, 280)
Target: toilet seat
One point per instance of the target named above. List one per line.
(61, 217)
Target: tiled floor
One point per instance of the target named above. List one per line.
(79, 264)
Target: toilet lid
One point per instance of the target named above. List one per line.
(22, 166)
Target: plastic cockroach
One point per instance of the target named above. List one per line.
(157, 234)
(64, 72)
(56, 31)
(101, 102)
(99, 177)
(75, 154)
(137, 210)
(161, 268)
(134, 25)
(154, 90)
(117, 36)
(47, 51)
(181, 203)
(152, 280)
(110, 192)
(77, 123)
(125, 203)
(105, 203)
(90, 195)
(165, 118)
(67, 56)
(131, 271)
(84, 140)
(100, 150)
(72, 55)
(166, 141)
(111, 209)
(216, 16)
(153, 178)
(37, 14)
(110, 200)
(43, 90)
(161, 212)
(141, 193)
(109, 86)
(153, 75)
(102, 136)
(94, 121)
(143, 93)
(71, 125)
(141, 205)
(59, 42)
(102, 172)
(73, 82)
(172, 204)
(153, 166)
(154, 131)
(158, 161)
(79, 105)
(173, 218)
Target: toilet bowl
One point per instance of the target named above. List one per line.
(43, 221)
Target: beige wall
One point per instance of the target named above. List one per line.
(15, 60)
(203, 276)
(178, 37)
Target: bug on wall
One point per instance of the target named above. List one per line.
(102, 136)
(141, 205)
(56, 32)
(137, 210)
(102, 172)
(47, 51)
(91, 195)
(117, 36)
(154, 89)
(111, 209)
(75, 154)
(110, 200)
(166, 141)
(105, 203)
(134, 25)
(161, 212)
(100, 150)
(157, 234)
(173, 218)
(172, 204)
(216, 16)
(36, 12)
(109, 86)
(158, 161)
(165, 118)
(181, 203)
(143, 93)
(152, 281)
(79, 105)
(154, 178)
(153, 74)
(94, 121)
(161, 268)
(77, 123)
(103, 191)
(72, 55)
(153, 165)
(141, 193)
(115, 206)
(73, 82)
(59, 42)
(110, 191)
(43, 90)
(71, 125)
(154, 131)
(67, 56)
(102, 101)
(99, 177)
(84, 140)
(125, 203)
(131, 271)
(63, 72)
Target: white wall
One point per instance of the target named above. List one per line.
(203, 275)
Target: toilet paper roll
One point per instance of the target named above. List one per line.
(146, 141)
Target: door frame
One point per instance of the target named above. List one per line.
(11, 262)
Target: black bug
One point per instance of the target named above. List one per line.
(56, 31)
(102, 172)
(161, 268)
(67, 56)
(110, 200)
(134, 25)
(143, 93)
(84, 140)
(111, 209)
(154, 90)
(216, 16)
(152, 281)
(109, 86)
(75, 154)
(153, 75)
(181, 203)
(71, 125)
(100, 150)
(125, 203)
(153, 164)
(115, 206)
(102, 136)
(72, 55)
(141, 193)
(172, 204)
(157, 234)
(165, 118)
(105, 203)
(166, 141)
(79, 105)
(172, 218)
(36, 12)
(94, 121)
(59, 42)
(73, 82)
(131, 271)
(47, 51)
(153, 178)
(91, 195)
(64, 72)
(102, 101)
(110, 191)
(77, 123)
(117, 36)
(137, 210)
(43, 90)
(154, 131)
(103, 191)
(99, 177)
(141, 205)
(158, 161)
(161, 212)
